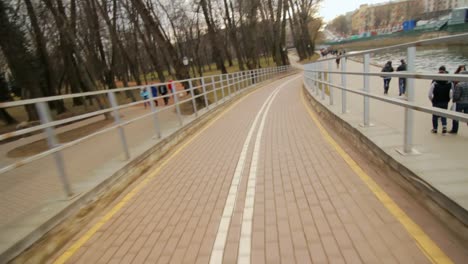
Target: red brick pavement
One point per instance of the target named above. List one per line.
(310, 207)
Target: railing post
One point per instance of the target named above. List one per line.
(193, 98)
(213, 87)
(409, 120)
(123, 140)
(155, 115)
(244, 80)
(44, 115)
(316, 75)
(366, 89)
(204, 92)
(322, 85)
(228, 84)
(330, 80)
(238, 82)
(343, 83)
(176, 103)
(221, 81)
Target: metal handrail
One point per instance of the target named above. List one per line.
(238, 82)
(395, 101)
(424, 76)
(315, 74)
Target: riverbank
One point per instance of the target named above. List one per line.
(393, 39)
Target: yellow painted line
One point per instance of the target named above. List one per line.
(82, 240)
(423, 241)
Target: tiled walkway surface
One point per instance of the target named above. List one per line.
(309, 206)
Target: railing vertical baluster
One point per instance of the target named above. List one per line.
(44, 115)
(221, 81)
(176, 103)
(228, 84)
(123, 140)
(409, 122)
(343, 83)
(366, 89)
(204, 92)
(157, 130)
(330, 80)
(322, 85)
(213, 88)
(237, 83)
(316, 76)
(192, 92)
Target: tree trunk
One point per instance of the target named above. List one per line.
(233, 35)
(23, 64)
(41, 50)
(217, 55)
(168, 50)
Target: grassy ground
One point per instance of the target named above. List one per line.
(312, 59)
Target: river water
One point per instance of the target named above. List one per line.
(428, 59)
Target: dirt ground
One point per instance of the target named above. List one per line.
(41, 145)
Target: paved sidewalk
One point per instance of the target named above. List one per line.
(442, 162)
(297, 200)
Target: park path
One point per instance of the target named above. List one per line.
(262, 183)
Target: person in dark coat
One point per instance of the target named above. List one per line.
(402, 81)
(439, 94)
(387, 68)
(154, 93)
(460, 99)
(163, 91)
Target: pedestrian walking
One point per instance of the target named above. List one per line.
(338, 60)
(144, 94)
(460, 69)
(387, 68)
(154, 93)
(163, 92)
(171, 86)
(402, 81)
(460, 99)
(439, 94)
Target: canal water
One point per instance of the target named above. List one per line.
(428, 59)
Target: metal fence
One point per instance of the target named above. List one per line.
(202, 92)
(315, 78)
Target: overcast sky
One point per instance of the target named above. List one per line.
(333, 8)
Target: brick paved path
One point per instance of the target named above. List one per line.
(308, 204)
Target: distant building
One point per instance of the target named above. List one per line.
(384, 16)
(443, 5)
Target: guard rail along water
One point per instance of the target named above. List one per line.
(314, 77)
(217, 88)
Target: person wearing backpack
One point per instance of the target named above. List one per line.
(460, 98)
(439, 94)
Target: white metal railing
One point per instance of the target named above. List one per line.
(314, 74)
(230, 85)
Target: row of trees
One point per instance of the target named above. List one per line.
(54, 47)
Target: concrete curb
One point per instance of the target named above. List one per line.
(455, 216)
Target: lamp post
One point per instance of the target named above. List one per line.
(308, 50)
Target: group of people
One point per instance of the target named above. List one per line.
(161, 89)
(401, 81)
(440, 94)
